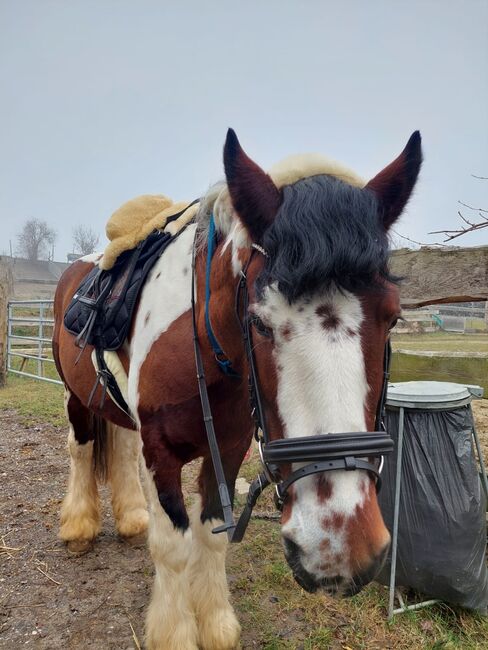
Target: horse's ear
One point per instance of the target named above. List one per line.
(255, 197)
(393, 186)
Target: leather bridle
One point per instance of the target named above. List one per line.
(316, 454)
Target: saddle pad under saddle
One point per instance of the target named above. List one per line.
(100, 312)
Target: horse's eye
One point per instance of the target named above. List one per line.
(260, 327)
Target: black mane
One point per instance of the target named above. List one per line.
(326, 232)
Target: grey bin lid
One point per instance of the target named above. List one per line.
(441, 395)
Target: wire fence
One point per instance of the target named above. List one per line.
(29, 335)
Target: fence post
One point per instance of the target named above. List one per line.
(6, 284)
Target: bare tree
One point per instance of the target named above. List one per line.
(85, 240)
(35, 239)
(468, 224)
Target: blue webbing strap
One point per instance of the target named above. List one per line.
(224, 363)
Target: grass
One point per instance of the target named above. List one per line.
(35, 401)
(274, 612)
(441, 342)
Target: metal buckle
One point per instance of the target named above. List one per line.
(381, 465)
(279, 498)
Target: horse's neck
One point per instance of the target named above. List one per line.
(166, 297)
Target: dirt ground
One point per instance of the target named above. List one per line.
(50, 599)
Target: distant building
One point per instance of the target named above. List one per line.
(33, 279)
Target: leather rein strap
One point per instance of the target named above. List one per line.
(322, 453)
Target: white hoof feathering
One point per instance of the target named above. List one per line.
(218, 627)
(128, 502)
(80, 512)
(170, 621)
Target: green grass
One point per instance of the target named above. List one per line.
(441, 341)
(274, 612)
(35, 401)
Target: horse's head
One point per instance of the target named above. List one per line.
(323, 304)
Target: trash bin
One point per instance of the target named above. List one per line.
(432, 499)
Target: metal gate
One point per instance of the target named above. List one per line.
(29, 333)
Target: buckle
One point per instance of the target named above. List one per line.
(279, 499)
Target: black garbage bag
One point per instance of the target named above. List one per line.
(442, 520)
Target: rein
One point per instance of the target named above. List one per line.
(320, 453)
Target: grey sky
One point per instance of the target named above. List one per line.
(105, 100)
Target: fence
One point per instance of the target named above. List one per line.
(450, 318)
(29, 333)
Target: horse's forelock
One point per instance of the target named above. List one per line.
(327, 232)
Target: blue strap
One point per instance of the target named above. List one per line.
(224, 363)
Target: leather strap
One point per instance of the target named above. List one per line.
(225, 500)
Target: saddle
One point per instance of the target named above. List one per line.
(101, 311)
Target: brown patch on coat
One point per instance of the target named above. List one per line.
(335, 522)
(366, 547)
(287, 506)
(286, 331)
(324, 488)
(328, 317)
(379, 308)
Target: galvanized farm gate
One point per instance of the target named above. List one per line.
(29, 334)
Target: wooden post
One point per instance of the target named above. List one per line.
(6, 285)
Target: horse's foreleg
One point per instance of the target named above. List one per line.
(218, 627)
(128, 502)
(170, 622)
(80, 512)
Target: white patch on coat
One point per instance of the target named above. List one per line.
(322, 388)
(166, 295)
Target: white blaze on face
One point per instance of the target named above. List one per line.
(322, 388)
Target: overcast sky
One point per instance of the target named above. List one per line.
(104, 100)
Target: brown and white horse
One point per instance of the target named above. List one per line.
(323, 304)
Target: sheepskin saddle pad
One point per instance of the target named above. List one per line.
(138, 218)
(101, 310)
